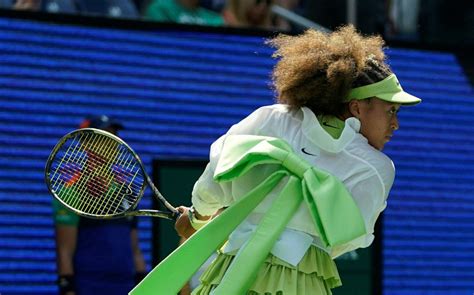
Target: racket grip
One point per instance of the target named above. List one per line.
(176, 215)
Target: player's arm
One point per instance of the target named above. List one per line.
(138, 260)
(66, 224)
(370, 196)
(209, 198)
(66, 238)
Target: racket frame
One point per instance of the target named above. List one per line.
(131, 211)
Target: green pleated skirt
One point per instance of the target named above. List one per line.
(316, 274)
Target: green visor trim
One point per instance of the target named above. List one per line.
(389, 89)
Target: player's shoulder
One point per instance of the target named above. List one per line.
(279, 112)
(272, 109)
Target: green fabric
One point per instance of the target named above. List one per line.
(271, 226)
(332, 125)
(389, 89)
(334, 212)
(174, 271)
(64, 216)
(316, 273)
(172, 11)
(325, 195)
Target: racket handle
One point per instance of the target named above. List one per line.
(155, 213)
(176, 216)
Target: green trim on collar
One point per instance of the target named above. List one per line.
(332, 125)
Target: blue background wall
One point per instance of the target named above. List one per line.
(177, 90)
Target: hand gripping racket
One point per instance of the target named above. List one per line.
(97, 175)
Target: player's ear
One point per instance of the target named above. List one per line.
(355, 108)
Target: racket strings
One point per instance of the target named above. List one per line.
(96, 187)
(114, 201)
(65, 166)
(108, 204)
(89, 189)
(109, 153)
(105, 195)
(126, 160)
(102, 173)
(57, 175)
(128, 184)
(77, 157)
(80, 156)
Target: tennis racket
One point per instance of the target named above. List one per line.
(96, 174)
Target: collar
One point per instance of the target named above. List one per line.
(318, 136)
(331, 124)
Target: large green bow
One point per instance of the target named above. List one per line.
(335, 215)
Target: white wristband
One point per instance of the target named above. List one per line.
(195, 223)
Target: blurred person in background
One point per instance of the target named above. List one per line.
(248, 13)
(257, 14)
(402, 16)
(182, 12)
(291, 5)
(33, 5)
(96, 256)
(215, 5)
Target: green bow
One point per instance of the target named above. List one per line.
(335, 215)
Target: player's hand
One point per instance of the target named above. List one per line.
(182, 225)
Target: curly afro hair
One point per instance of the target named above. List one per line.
(317, 70)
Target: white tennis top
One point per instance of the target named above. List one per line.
(367, 173)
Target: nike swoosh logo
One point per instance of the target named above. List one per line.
(326, 124)
(305, 152)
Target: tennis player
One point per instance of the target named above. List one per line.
(337, 108)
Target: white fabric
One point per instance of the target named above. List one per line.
(367, 173)
(290, 246)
